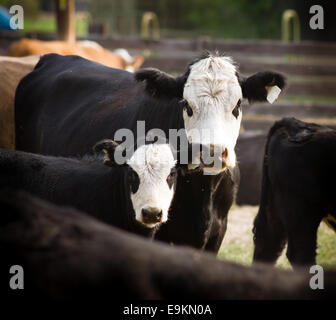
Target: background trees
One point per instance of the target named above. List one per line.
(243, 19)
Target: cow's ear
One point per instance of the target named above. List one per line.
(160, 84)
(263, 86)
(108, 147)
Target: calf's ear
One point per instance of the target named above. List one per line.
(262, 86)
(108, 147)
(160, 84)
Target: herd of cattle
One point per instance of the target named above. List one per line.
(65, 128)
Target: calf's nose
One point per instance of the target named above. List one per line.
(151, 215)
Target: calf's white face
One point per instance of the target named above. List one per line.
(154, 166)
(213, 94)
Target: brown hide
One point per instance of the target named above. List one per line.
(86, 49)
(12, 70)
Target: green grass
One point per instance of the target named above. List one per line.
(326, 251)
(239, 247)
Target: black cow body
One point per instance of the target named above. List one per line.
(67, 255)
(68, 103)
(250, 154)
(297, 191)
(86, 184)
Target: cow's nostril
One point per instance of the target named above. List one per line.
(225, 153)
(216, 149)
(151, 215)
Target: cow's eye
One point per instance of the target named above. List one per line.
(171, 178)
(187, 107)
(133, 181)
(236, 110)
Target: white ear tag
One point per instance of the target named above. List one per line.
(272, 93)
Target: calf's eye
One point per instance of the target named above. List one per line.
(133, 181)
(236, 110)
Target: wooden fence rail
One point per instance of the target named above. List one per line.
(309, 66)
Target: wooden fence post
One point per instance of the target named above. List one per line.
(288, 16)
(65, 17)
(147, 18)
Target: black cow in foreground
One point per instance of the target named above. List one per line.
(69, 103)
(134, 196)
(67, 255)
(298, 191)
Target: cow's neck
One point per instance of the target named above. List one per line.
(199, 202)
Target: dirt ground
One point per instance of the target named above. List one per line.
(238, 241)
(240, 223)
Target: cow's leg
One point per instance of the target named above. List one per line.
(269, 235)
(302, 238)
(214, 243)
(330, 221)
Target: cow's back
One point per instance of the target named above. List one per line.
(301, 158)
(86, 184)
(59, 104)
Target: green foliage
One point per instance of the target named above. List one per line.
(48, 24)
(237, 18)
(30, 7)
(230, 19)
(39, 25)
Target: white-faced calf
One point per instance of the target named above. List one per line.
(135, 195)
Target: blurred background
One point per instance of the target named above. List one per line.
(230, 19)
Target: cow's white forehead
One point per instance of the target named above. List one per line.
(212, 81)
(153, 160)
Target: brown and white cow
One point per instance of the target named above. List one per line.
(12, 70)
(91, 50)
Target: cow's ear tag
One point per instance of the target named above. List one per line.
(272, 93)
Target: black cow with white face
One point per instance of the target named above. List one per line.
(134, 196)
(68, 103)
